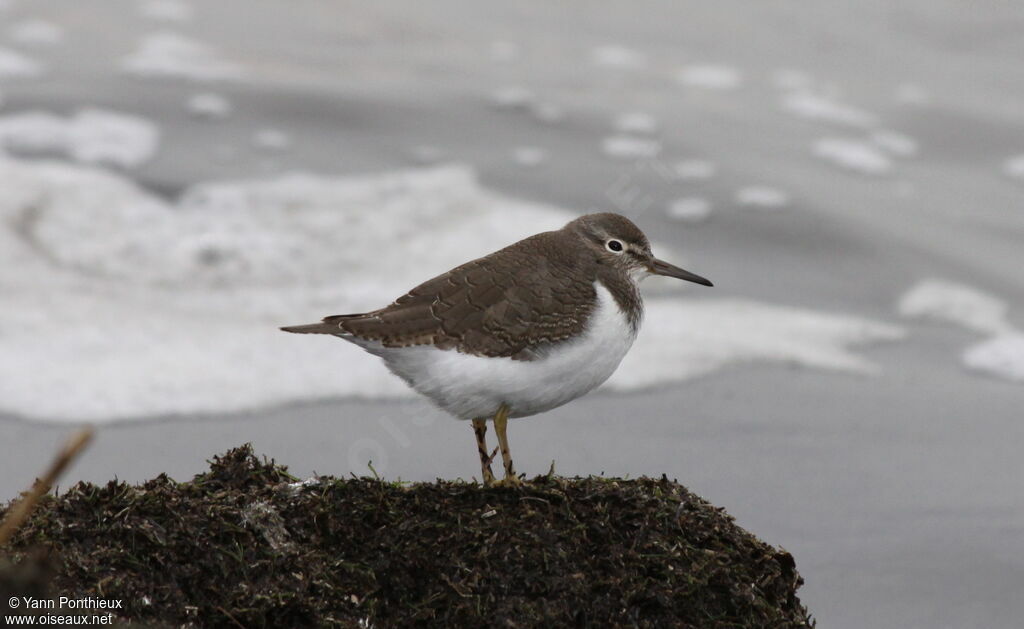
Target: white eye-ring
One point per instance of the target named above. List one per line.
(614, 246)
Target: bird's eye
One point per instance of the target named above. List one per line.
(614, 245)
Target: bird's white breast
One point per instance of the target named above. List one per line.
(470, 386)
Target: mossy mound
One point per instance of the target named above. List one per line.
(246, 545)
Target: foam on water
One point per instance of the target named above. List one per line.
(14, 64)
(950, 302)
(89, 135)
(119, 304)
(1001, 354)
(854, 154)
(813, 106)
(870, 154)
(684, 339)
(169, 54)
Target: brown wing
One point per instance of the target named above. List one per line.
(511, 303)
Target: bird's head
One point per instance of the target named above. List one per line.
(617, 241)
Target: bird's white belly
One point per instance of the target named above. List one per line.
(470, 386)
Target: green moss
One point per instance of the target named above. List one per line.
(243, 544)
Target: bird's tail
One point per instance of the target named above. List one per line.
(313, 328)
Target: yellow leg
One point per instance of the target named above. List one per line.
(480, 428)
(500, 427)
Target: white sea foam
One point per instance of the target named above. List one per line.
(853, 154)
(14, 64)
(710, 76)
(630, 147)
(685, 339)
(950, 302)
(209, 105)
(762, 197)
(173, 307)
(689, 209)
(35, 32)
(168, 54)
(1001, 354)
(813, 106)
(90, 136)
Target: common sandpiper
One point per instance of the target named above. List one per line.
(518, 332)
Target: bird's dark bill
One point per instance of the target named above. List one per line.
(660, 267)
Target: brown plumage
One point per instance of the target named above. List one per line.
(513, 303)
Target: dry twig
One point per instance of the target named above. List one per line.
(18, 513)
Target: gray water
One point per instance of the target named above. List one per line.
(899, 494)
